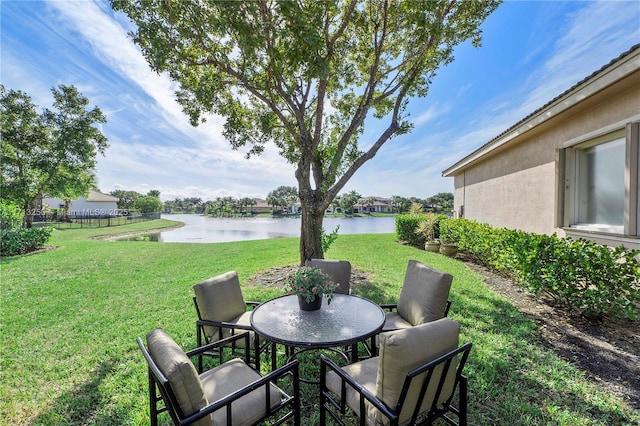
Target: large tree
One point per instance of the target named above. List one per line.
(305, 75)
(126, 198)
(53, 152)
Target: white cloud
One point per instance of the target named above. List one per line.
(153, 146)
(428, 115)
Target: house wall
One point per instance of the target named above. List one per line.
(515, 186)
(83, 207)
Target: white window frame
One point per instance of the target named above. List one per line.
(567, 173)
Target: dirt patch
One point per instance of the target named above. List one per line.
(276, 276)
(608, 352)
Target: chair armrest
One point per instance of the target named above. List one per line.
(219, 343)
(252, 304)
(389, 307)
(291, 367)
(224, 324)
(364, 393)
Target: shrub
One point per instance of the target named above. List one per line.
(593, 279)
(20, 241)
(407, 227)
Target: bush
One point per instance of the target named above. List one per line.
(20, 241)
(407, 225)
(593, 279)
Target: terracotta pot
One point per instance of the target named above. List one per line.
(314, 305)
(448, 249)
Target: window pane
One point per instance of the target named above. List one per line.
(601, 184)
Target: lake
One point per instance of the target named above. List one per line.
(204, 229)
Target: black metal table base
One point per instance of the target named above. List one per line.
(299, 351)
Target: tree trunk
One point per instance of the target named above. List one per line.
(65, 213)
(311, 231)
(29, 211)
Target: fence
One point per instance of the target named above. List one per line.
(100, 221)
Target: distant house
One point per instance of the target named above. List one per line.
(571, 167)
(95, 204)
(373, 205)
(261, 206)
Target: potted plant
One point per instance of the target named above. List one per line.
(427, 228)
(447, 247)
(309, 284)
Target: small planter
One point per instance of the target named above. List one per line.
(432, 246)
(314, 305)
(448, 249)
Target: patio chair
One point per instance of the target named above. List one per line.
(423, 298)
(338, 270)
(230, 394)
(413, 380)
(222, 312)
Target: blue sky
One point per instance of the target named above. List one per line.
(531, 52)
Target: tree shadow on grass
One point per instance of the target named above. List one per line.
(86, 403)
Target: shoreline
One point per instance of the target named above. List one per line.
(114, 237)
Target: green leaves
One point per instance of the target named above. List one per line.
(304, 75)
(52, 152)
(593, 279)
(19, 241)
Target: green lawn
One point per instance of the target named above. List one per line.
(70, 317)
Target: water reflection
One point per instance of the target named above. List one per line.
(203, 229)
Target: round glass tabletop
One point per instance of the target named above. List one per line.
(346, 320)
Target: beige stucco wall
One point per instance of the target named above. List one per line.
(515, 186)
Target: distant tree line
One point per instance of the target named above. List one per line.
(280, 200)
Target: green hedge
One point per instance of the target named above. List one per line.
(406, 225)
(593, 279)
(20, 241)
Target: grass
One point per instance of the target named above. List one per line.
(70, 317)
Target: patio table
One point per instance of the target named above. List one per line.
(345, 322)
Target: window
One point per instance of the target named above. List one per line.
(601, 183)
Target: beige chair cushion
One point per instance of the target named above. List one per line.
(180, 372)
(393, 321)
(220, 299)
(424, 294)
(338, 270)
(228, 378)
(364, 372)
(404, 350)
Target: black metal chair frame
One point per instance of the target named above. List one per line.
(328, 403)
(159, 383)
(258, 349)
